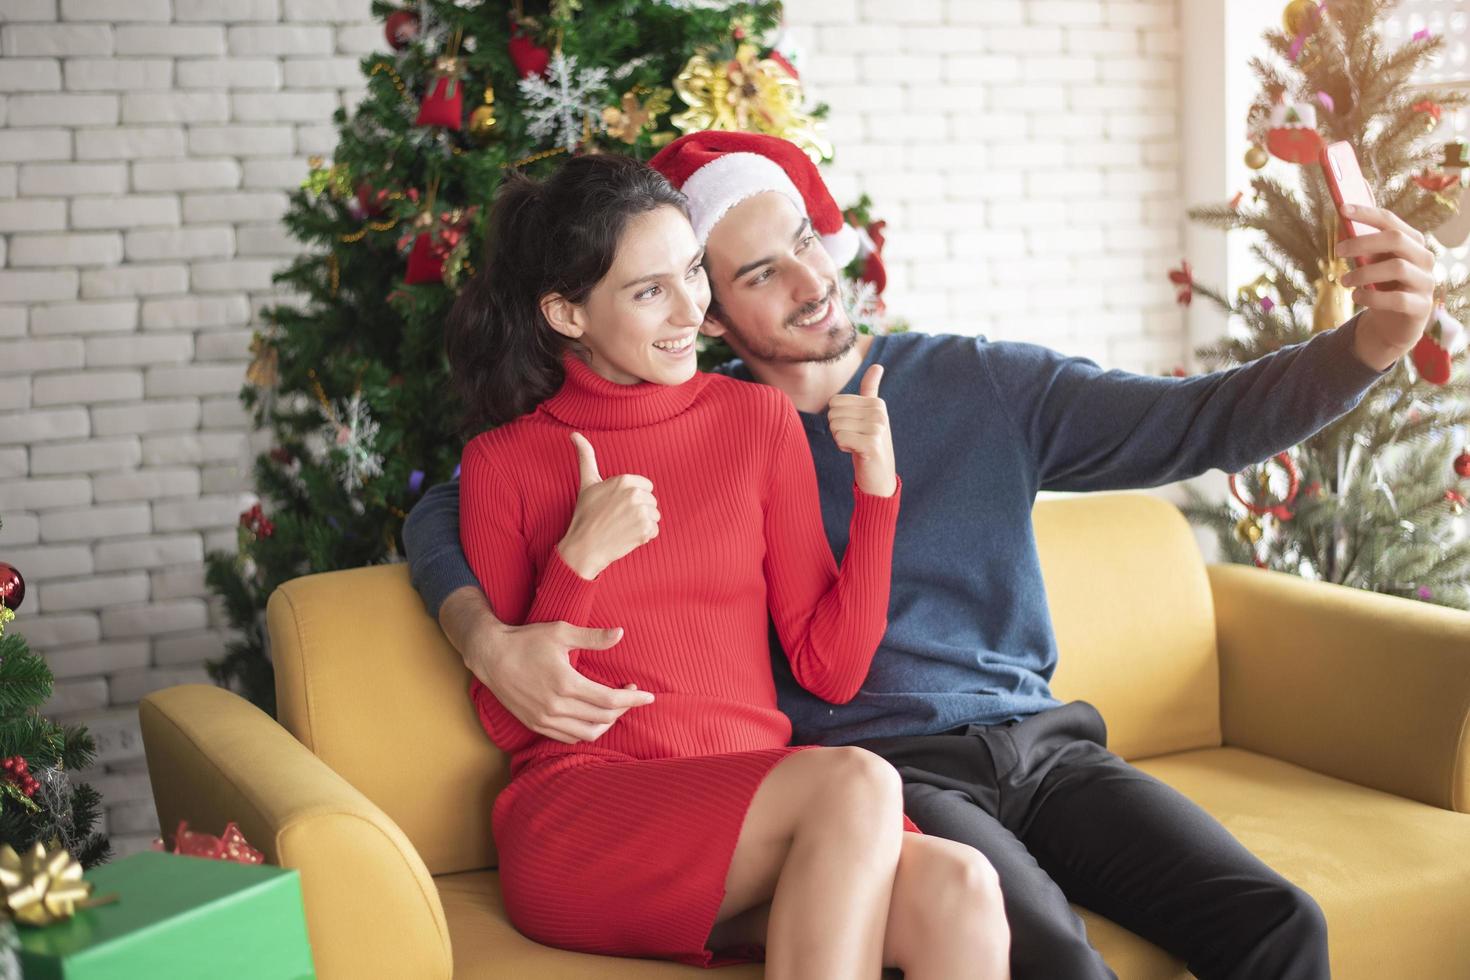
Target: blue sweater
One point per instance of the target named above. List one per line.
(978, 429)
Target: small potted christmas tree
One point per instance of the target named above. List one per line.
(38, 800)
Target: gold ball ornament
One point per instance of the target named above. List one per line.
(1248, 529)
(1256, 157)
(1301, 17)
(1257, 288)
(482, 120)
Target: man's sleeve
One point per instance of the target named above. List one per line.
(1090, 429)
(436, 561)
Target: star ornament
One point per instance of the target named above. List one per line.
(627, 122)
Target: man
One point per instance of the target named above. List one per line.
(958, 694)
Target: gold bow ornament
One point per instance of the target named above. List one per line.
(44, 887)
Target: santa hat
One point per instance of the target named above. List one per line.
(717, 170)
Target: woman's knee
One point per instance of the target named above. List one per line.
(947, 875)
(855, 783)
(946, 905)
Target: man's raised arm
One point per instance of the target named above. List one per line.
(1091, 429)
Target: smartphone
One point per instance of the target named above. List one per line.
(1348, 186)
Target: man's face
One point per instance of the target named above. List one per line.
(776, 286)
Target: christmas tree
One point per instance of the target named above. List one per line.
(1376, 499)
(351, 378)
(38, 800)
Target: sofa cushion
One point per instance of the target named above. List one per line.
(1389, 873)
(1134, 619)
(1384, 869)
(486, 944)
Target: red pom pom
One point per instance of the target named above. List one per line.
(1462, 464)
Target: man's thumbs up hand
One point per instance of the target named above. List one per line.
(859, 425)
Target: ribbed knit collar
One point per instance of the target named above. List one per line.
(588, 400)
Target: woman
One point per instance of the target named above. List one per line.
(616, 485)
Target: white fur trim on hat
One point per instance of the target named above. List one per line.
(727, 180)
(842, 245)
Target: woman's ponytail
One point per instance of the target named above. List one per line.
(504, 359)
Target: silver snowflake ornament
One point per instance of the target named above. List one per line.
(352, 434)
(560, 103)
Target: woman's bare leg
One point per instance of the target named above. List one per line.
(821, 844)
(946, 918)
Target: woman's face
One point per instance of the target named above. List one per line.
(640, 321)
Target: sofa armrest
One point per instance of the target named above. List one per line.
(1353, 684)
(371, 907)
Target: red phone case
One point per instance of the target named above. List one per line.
(1347, 184)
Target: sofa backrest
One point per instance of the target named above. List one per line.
(1134, 619)
(367, 681)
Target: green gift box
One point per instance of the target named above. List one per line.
(177, 916)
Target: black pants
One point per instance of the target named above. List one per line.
(1061, 818)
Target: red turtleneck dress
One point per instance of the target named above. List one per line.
(622, 845)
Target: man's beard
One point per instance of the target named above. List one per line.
(838, 340)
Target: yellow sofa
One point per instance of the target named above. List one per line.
(1327, 728)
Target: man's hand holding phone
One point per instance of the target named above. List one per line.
(1393, 278)
(1399, 267)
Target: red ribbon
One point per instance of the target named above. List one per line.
(229, 846)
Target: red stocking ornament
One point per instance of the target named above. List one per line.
(1434, 354)
(444, 105)
(425, 262)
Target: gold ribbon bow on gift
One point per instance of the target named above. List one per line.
(44, 887)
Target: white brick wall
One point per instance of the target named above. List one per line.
(145, 157)
(1024, 155)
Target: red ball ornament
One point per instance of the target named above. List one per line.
(12, 587)
(373, 203)
(401, 27)
(1462, 464)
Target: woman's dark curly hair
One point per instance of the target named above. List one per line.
(556, 236)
